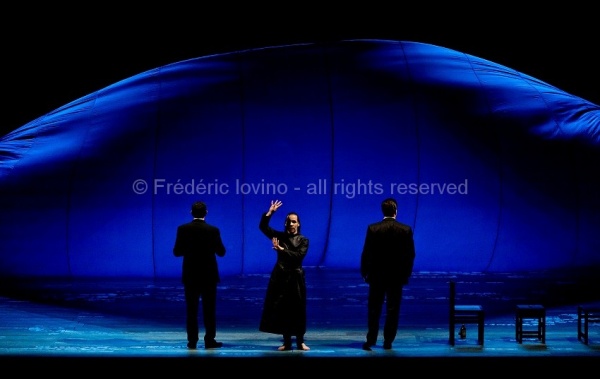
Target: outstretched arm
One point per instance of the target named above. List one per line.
(266, 217)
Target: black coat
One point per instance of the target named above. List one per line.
(284, 310)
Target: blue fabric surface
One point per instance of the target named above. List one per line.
(495, 170)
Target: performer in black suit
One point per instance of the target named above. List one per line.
(386, 264)
(284, 310)
(199, 243)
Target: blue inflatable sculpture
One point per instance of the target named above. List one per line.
(495, 170)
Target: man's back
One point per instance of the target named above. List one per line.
(198, 237)
(198, 243)
(388, 252)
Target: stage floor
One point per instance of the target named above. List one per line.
(142, 322)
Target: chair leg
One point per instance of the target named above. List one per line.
(480, 331)
(585, 329)
(579, 323)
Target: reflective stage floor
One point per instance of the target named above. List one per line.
(141, 324)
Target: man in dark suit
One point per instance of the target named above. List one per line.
(199, 243)
(386, 264)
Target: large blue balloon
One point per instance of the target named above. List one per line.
(495, 170)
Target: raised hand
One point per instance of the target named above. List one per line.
(275, 204)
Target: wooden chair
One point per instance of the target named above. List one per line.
(534, 312)
(464, 314)
(586, 316)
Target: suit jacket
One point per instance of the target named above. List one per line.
(199, 243)
(388, 253)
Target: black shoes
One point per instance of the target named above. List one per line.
(207, 345)
(367, 346)
(212, 344)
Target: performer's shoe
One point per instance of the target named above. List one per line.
(213, 345)
(191, 345)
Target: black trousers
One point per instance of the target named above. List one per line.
(379, 294)
(208, 294)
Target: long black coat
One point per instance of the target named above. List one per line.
(284, 310)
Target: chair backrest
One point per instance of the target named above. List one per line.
(452, 296)
(464, 314)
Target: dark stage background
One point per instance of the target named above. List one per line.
(54, 54)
